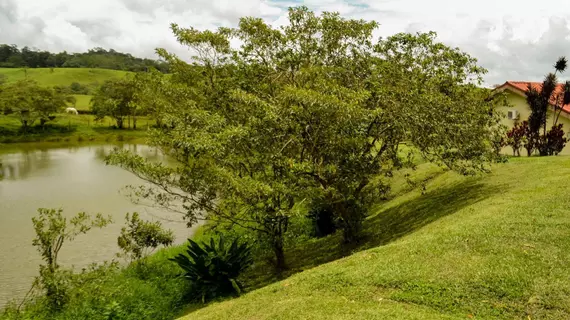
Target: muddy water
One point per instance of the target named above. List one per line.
(75, 179)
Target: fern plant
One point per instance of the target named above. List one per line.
(214, 267)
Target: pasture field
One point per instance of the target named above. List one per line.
(61, 76)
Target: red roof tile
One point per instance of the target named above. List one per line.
(523, 87)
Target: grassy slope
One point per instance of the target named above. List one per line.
(82, 128)
(488, 247)
(62, 76)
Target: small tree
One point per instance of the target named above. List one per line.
(139, 238)
(52, 231)
(540, 100)
(46, 102)
(114, 99)
(555, 140)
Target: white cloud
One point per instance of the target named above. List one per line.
(514, 39)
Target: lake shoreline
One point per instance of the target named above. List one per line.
(72, 176)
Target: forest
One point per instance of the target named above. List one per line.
(13, 57)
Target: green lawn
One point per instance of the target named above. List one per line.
(72, 128)
(490, 247)
(62, 76)
(82, 102)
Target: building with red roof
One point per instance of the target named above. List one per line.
(519, 110)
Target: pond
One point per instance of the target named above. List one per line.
(75, 179)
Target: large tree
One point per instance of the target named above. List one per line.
(311, 112)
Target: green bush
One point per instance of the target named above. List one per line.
(214, 268)
(139, 238)
(78, 88)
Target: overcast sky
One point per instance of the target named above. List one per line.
(513, 39)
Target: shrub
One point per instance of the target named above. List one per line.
(214, 268)
(555, 140)
(516, 136)
(78, 88)
(139, 238)
(53, 230)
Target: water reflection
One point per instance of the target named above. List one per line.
(23, 164)
(75, 179)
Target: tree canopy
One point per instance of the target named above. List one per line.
(30, 102)
(13, 57)
(316, 111)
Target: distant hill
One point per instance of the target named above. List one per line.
(13, 57)
(62, 76)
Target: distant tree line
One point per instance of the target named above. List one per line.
(13, 57)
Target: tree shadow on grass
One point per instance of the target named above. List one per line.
(383, 227)
(398, 221)
(387, 224)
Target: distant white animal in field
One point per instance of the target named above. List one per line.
(71, 110)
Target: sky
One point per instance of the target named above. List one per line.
(512, 39)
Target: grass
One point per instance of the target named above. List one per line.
(491, 247)
(62, 76)
(83, 102)
(495, 246)
(71, 128)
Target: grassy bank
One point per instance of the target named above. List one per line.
(488, 247)
(71, 128)
(493, 247)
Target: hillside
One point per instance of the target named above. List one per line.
(62, 76)
(491, 247)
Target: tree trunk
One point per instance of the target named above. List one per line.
(351, 215)
(279, 252)
(134, 122)
(120, 123)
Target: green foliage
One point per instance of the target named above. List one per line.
(139, 238)
(114, 99)
(313, 111)
(30, 102)
(107, 291)
(52, 231)
(214, 267)
(78, 88)
(13, 57)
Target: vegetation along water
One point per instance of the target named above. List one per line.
(317, 172)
